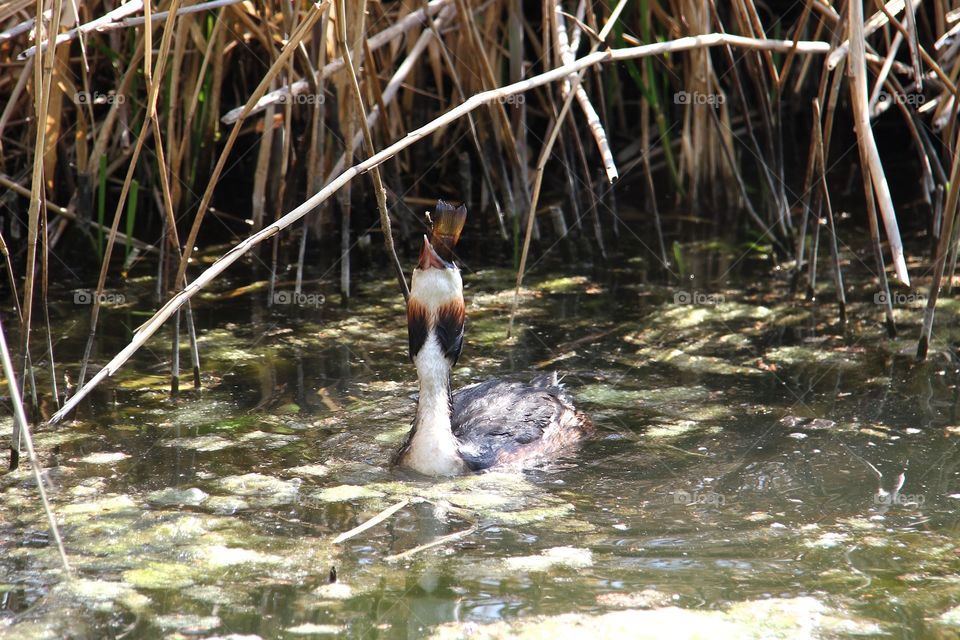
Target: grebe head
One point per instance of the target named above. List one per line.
(435, 312)
(435, 309)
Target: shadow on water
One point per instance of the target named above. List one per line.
(755, 469)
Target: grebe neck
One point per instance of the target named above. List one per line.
(433, 449)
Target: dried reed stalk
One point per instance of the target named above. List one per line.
(865, 140)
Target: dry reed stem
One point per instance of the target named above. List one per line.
(122, 11)
(858, 91)
(148, 328)
(545, 151)
(817, 136)
(43, 80)
(433, 543)
(195, 97)
(946, 233)
(892, 51)
(497, 109)
(153, 92)
(942, 75)
(434, 26)
(875, 244)
(372, 522)
(393, 87)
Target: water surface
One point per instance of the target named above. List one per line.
(758, 472)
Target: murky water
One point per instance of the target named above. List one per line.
(756, 474)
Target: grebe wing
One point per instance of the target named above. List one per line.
(496, 417)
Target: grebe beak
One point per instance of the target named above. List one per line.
(429, 259)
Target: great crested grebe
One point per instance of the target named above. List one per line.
(492, 423)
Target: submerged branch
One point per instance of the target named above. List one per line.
(372, 522)
(433, 543)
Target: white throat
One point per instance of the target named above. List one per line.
(432, 449)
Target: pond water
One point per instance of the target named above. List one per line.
(757, 472)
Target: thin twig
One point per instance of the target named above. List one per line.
(372, 522)
(433, 543)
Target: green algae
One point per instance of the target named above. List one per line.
(564, 285)
(216, 556)
(261, 490)
(187, 623)
(312, 629)
(310, 470)
(566, 557)
(814, 355)
(344, 493)
(206, 443)
(529, 516)
(173, 496)
(163, 576)
(225, 505)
